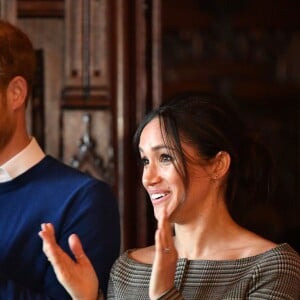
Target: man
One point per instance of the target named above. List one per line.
(36, 188)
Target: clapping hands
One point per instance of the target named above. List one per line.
(79, 278)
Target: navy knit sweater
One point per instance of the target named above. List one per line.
(75, 203)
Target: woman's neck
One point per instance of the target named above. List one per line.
(207, 237)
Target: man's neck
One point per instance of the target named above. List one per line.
(13, 148)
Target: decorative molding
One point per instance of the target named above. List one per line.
(40, 8)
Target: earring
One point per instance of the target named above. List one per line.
(215, 177)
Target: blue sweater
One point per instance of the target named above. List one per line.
(71, 200)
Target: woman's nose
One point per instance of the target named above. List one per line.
(150, 175)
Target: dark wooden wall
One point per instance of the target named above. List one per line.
(246, 51)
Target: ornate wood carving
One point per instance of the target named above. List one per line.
(87, 159)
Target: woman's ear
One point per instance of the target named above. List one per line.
(17, 92)
(221, 164)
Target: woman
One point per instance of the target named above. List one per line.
(197, 159)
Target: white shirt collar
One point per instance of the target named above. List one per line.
(21, 162)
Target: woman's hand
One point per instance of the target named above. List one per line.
(165, 259)
(77, 277)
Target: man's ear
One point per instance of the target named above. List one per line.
(221, 165)
(17, 92)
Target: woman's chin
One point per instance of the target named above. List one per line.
(159, 212)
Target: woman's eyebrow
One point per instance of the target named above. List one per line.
(157, 148)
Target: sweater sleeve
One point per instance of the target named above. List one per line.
(16, 291)
(89, 210)
(94, 217)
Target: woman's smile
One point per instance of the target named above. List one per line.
(159, 197)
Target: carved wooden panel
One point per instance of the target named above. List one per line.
(87, 76)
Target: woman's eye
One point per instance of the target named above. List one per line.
(166, 158)
(144, 161)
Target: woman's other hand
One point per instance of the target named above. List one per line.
(77, 277)
(165, 259)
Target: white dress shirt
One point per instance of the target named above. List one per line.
(21, 162)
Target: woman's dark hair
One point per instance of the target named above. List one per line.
(17, 56)
(210, 125)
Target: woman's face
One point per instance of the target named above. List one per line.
(162, 181)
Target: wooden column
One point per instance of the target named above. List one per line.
(8, 10)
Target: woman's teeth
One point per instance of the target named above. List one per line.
(157, 196)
